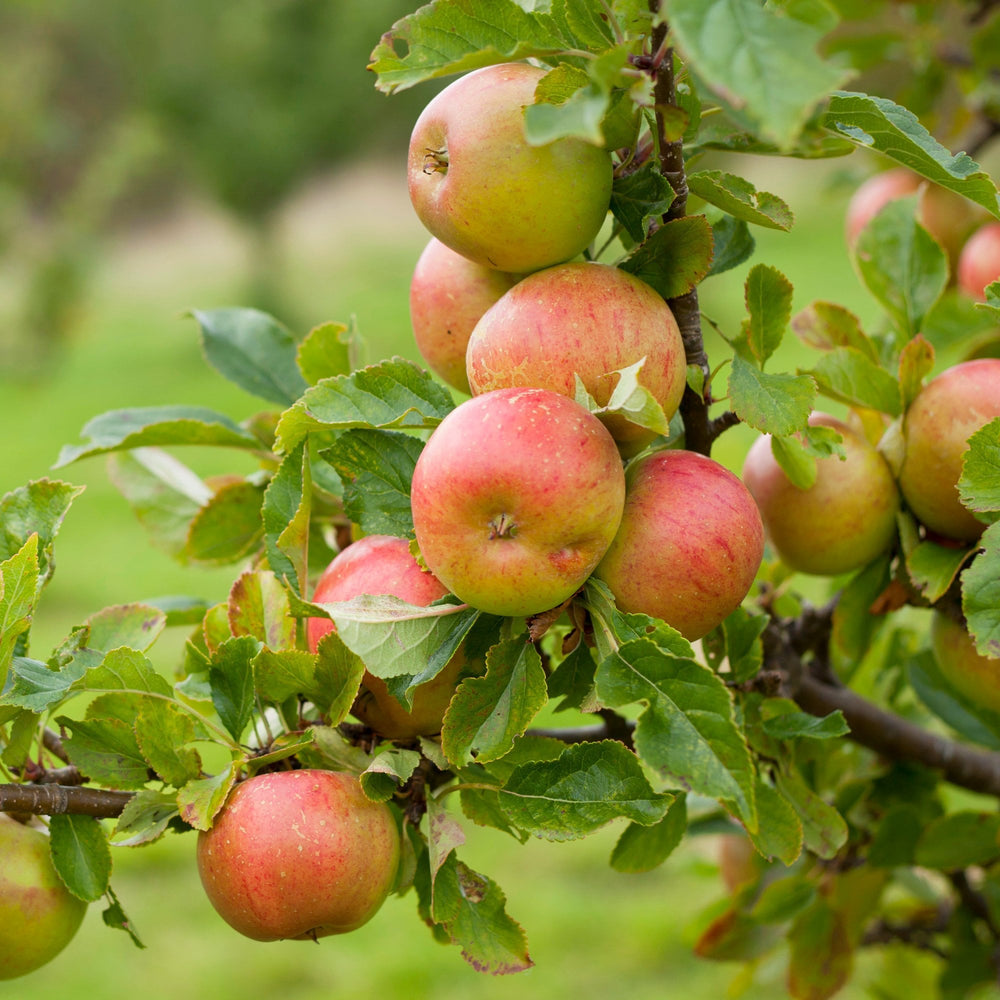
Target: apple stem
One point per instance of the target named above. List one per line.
(502, 526)
(435, 161)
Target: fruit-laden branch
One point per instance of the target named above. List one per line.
(694, 406)
(818, 692)
(51, 800)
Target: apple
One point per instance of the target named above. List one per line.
(479, 187)
(979, 261)
(947, 216)
(584, 319)
(299, 854)
(38, 915)
(448, 295)
(689, 545)
(973, 675)
(843, 521)
(515, 497)
(936, 430)
(383, 564)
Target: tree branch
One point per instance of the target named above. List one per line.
(52, 800)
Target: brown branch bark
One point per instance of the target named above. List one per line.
(52, 800)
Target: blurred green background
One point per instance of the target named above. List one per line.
(160, 157)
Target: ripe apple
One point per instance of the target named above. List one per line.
(299, 854)
(38, 914)
(515, 498)
(448, 295)
(979, 261)
(479, 187)
(689, 545)
(975, 676)
(843, 521)
(383, 564)
(947, 216)
(586, 319)
(936, 431)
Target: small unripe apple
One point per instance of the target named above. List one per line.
(479, 187)
(299, 854)
(383, 564)
(979, 262)
(448, 295)
(38, 915)
(947, 216)
(689, 545)
(843, 521)
(936, 430)
(584, 319)
(515, 497)
(973, 675)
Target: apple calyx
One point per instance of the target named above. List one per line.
(502, 526)
(435, 161)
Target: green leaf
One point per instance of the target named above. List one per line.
(958, 840)
(732, 244)
(231, 677)
(688, 730)
(388, 770)
(790, 724)
(878, 123)
(981, 594)
(285, 514)
(737, 639)
(454, 36)
(818, 931)
(81, 855)
(338, 677)
(772, 403)
(587, 787)
(573, 679)
(199, 801)
(826, 325)
(854, 625)
(979, 485)
(145, 817)
(228, 526)
(933, 567)
(125, 669)
(115, 917)
(849, 376)
(488, 712)
(779, 833)
(768, 296)
(32, 685)
(741, 199)
(393, 394)
(639, 198)
(569, 104)
(326, 352)
(259, 606)
(119, 430)
(916, 361)
(162, 731)
(164, 493)
(642, 848)
(756, 59)
(105, 749)
(629, 400)
(824, 830)
(902, 265)
(18, 593)
(472, 910)
(39, 508)
(137, 626)
(252, 350)
(376, 467)
(674, 258)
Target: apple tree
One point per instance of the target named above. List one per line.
(546, 607)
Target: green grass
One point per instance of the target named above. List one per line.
(593, 933)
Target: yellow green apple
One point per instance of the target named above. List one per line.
(689, 544)
(477, 184)
(973, 675)
(38, 915)
(936, 430)
(515, 498)
(299, 854)
(843, 521)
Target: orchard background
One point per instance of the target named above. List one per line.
(342, 244)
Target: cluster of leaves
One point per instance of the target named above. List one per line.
(707, 744)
